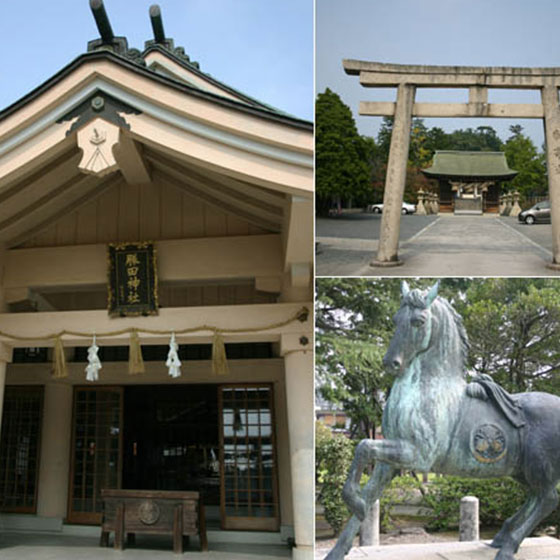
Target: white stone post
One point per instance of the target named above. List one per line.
(55, 450)
(502, 205)
(468, 524)
(300, 404)
(387, 252)
(549, 96)
(369, 529)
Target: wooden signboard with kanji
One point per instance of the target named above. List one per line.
(132, 279)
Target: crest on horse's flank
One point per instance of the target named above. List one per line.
(488, 443)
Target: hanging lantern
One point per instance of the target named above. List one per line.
(173, 363)
(94, 363)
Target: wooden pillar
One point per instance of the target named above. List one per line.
(549, 95)
(2, 386)
(387, 252)
(55, 450)
(300, 399)
(5, 357)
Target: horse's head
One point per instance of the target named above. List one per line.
(413, 328)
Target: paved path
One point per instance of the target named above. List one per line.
(541, 548)
(361, 225)
(445, 246)
(26, 546)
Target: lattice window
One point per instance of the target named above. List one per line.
(19, 448)
(249, 471)
(96, 450)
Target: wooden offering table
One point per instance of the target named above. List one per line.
(127, 512)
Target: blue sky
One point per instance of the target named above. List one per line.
(450, 32)
(260, 47)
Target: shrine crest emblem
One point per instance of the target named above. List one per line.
(488, 443)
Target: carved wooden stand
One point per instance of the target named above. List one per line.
(127, 512)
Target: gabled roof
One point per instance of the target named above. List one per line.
(177, 57)
(213, 143)
(254, 108)
(450, 164)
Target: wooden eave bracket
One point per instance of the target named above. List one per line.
(106, 148)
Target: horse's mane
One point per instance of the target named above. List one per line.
(417, 298)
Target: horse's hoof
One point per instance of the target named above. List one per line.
(497, 542)
(504, 555)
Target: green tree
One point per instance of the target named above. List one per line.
(352, 325)
(342, 157)
(514, 330)
(438, 139)
(523, 156)
(419, 156)
(483, 139)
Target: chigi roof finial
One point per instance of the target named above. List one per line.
(157, 24)
(162, 40)
(102, 21)
(108, 40)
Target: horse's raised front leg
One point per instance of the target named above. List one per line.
(381, 476)
(397, 453)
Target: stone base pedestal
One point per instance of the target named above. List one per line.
(386, 263)
(541, 548)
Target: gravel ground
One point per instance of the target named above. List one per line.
(407, 532)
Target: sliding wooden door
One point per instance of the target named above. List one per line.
(248, 458)
(19, 448)
(96, 450)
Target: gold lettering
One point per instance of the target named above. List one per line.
(133, 283)
(132, 259)
(133, 298)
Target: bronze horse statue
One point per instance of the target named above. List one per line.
(435, 421)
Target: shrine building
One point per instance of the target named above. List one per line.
(469, 182)
(156, 228)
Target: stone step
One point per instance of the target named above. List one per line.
(539, 548)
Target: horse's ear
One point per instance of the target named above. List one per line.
(404, 288)
(432, 294)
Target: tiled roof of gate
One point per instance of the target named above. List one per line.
(459, 164)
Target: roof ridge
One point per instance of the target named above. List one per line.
(175, 83)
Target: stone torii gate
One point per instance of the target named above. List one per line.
(406, 78)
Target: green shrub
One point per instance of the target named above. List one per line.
(499, 499)
(334, 453)
(402, 490)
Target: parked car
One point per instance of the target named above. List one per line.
(540, 212)
(406, 208)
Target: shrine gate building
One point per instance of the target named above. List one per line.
(469, 182)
